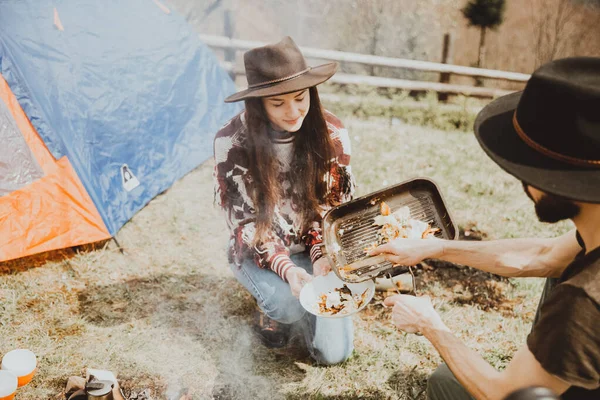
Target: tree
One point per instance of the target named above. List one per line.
(391, 28)
(484, 14)
(563, 28)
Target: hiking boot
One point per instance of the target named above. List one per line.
(271, 333)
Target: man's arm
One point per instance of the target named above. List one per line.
(506, 257)
(480, 379)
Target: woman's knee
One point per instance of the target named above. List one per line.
(334, 341)
(285, 314)
(333, 355)
(272, 294)
(280, 305)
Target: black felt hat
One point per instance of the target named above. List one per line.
(548, 135)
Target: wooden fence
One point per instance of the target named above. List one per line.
(233, 45)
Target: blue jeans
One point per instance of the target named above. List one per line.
(329, 340)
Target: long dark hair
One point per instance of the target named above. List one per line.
(311, 163)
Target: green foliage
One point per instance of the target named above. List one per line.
(593, 3)
(400, 107)
(485, 13)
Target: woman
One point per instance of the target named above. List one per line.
(280, 165)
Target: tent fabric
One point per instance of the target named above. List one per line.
(124, 90)
(52, 212)
(18, 166)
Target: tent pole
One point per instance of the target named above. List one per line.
(118, 245)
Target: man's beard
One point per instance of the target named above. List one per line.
(551, 208)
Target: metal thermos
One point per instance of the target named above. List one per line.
(95, 390)
(99, 390)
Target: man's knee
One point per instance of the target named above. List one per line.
(443, 385)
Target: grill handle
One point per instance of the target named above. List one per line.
(364, 263)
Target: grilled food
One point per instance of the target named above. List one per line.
(399, 225)
(340, 300)
(393, 226)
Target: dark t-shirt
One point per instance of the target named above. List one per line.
(566, 337)
(552, 282)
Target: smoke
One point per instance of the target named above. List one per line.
(228, 355)
(237, 357)
(183, 334)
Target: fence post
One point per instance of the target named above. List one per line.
(229, 30)
(446, 59)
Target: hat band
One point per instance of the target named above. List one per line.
(547, 152)
(286, 78)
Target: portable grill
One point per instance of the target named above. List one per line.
(348, 229)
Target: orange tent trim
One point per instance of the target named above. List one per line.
(51, 213)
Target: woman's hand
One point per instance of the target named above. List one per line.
(321, 267)
(297, 278)
(409, 251)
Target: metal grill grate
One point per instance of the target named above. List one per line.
(348, 228)
(358, 232)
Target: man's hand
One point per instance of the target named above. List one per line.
(410, 251)
(321, 267)
(413, 314)
(297, 278)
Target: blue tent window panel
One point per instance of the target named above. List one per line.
(18, 166)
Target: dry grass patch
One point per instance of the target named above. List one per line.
(168, 315)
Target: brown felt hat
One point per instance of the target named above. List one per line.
(279, 69)
(549, 135)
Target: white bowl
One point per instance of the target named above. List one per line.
(312, 291)
(8, 383)
(22, 363)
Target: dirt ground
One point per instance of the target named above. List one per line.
(168, 316)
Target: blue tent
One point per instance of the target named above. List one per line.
(124, 89)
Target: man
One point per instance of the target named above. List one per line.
(548, 136)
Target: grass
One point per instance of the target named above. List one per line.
(423, 109)
(168, 315)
